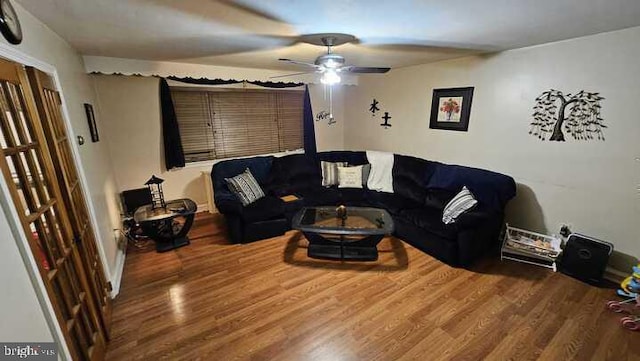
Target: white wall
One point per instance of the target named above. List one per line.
(591, 185)
(130, 109)
(21, 315)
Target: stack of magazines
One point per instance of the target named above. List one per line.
(530, 247)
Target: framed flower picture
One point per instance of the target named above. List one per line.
(450, 108)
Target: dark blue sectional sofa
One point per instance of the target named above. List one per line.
(421, 190)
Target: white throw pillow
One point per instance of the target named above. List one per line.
(350, 177)
(461, 203)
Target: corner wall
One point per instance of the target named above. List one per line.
(591, 185)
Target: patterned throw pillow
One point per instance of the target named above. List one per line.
(366, 169)
(350, 177)
(461, 203)
(245, 187)
(330, 172)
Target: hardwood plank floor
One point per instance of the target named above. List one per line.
(268, 301)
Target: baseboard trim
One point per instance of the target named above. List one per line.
(615, 275)
(203, 207)
(116, 276)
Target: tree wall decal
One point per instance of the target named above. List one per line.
(578, 115)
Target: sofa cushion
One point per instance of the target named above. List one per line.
(297, 171)
(430, 220)
(476, 217)
(353, 196)
(490, 188)
(263, 209)
(409, 177)
(320, 196)
(440, 248)
(245, 187)
(438, 198)
(393, 203)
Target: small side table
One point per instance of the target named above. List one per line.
(168, 226)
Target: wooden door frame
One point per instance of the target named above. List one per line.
(12, 53)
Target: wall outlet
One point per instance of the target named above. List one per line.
(565, 229)
(118, 236)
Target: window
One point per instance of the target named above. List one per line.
(229, 123)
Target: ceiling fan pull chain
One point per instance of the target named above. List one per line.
(330, 103)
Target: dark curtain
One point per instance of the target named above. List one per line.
(308, 127)
(173, 154)
(206, 81)
(218, 81)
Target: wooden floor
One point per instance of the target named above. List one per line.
(267, 301)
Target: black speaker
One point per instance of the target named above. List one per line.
(134, 198)
(585, 258)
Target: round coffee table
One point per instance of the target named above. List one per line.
(168, 226)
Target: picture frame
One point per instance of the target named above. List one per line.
(451, 108)
(91, 119)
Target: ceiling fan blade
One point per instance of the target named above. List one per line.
(292, 74)
(364, 70)
(407, 44)
(300, 63)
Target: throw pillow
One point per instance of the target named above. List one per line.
(245, 187)
(461, 203)
(366, 169)
(330, 172)
(350, 177)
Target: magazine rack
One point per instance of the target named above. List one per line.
(529, 247)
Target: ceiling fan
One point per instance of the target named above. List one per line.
(331, 65)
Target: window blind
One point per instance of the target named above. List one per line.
(235, 123)
(196, 129)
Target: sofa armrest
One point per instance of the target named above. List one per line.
(480, 238)
(229, 206)
(473, 218)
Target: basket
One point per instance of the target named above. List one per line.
(531, 247)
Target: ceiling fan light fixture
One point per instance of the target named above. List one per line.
(331, 64)
(330, 77)
(330, 60)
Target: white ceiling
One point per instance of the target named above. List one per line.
(254, 33)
